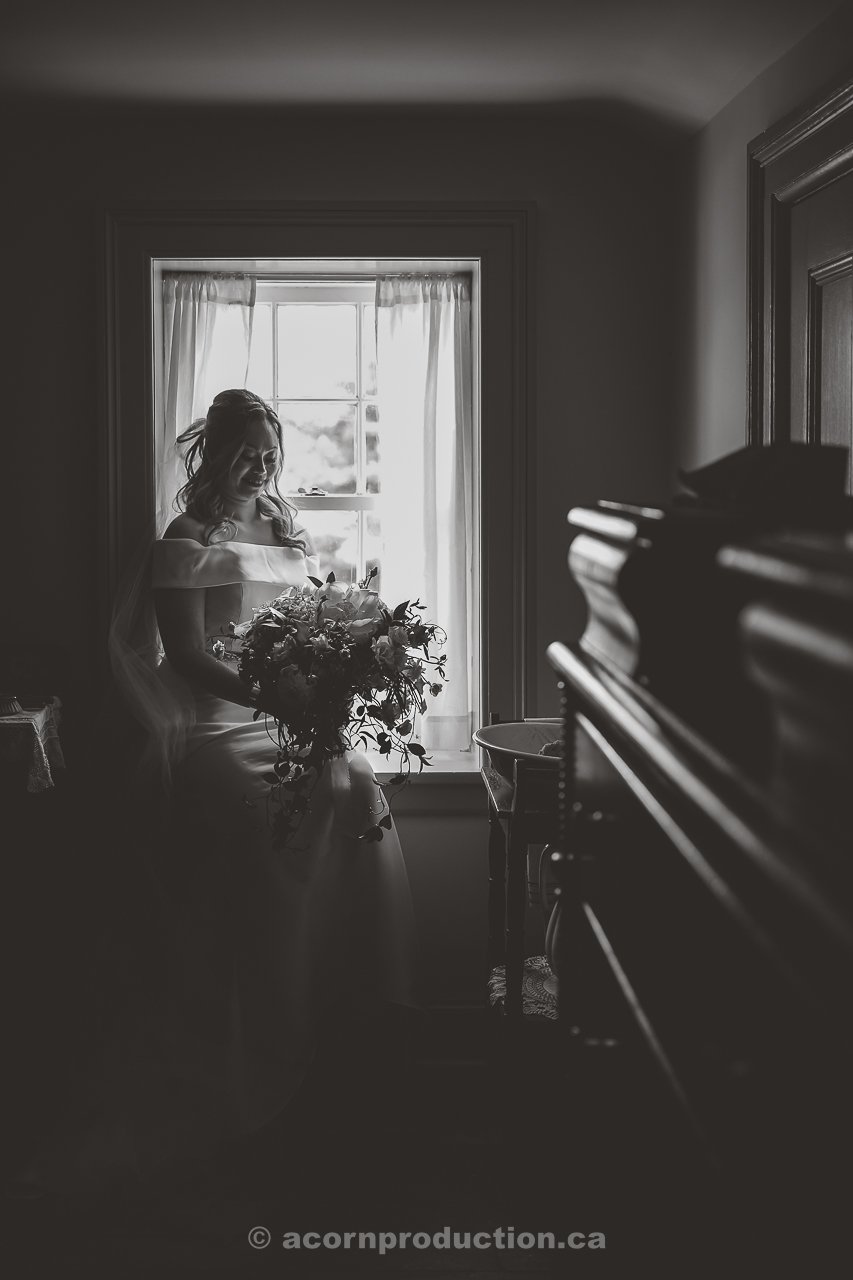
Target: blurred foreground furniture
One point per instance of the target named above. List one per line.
(30, 747)
(42, 891)
(707, 922)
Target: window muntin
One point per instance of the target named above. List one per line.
(314, 354)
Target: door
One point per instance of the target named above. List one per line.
(821, 283)
(800, 262)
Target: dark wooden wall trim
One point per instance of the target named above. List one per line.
(828, 274)
(794, 159)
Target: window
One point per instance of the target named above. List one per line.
(140, 242)
(334, 357)
(313, 357)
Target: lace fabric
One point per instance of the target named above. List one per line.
(31, 737)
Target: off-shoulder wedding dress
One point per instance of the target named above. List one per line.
(260, 945)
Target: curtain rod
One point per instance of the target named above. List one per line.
(315, 278)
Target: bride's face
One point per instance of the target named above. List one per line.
(255, 464)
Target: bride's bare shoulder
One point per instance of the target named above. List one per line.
(300, 532)
(185, 526)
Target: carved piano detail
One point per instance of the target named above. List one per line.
(797, 638)
(710, 707)
(662, 609)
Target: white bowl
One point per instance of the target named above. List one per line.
(519, 740)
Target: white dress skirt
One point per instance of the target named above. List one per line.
(260, 946)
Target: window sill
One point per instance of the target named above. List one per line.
(450, 768)
(451, 787)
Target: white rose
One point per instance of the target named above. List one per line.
(362, 629)
(366, 604)
(335, 592)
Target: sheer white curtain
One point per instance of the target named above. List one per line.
(207, 336)
(425, 392)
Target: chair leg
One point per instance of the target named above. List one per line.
(497, 894)
(516, 903)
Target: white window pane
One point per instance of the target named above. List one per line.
(368, 350)
(226, 362)
(372, 450)
(335, 536)
(260, 356)
(319, 445)
(373, 547)
(316, 350)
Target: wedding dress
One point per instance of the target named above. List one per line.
(259, 945)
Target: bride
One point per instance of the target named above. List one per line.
(262, 948)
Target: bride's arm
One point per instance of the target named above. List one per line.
(180, 617)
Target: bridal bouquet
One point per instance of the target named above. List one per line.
(350, 671)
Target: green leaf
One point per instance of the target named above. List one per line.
(386, 822)
(416, 749)
(331, 578)
(316, 581)
(400, 611)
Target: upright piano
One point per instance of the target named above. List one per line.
(706, 836)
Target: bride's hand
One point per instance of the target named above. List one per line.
(290, 697)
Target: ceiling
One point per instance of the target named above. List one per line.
(681, 59)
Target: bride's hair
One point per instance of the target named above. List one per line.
(214, 446)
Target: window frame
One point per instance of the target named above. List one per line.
(498, 236)
(329, 291)
(321, 292)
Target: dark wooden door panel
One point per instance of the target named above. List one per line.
(821, 318)
(801, 278)
(821, 290)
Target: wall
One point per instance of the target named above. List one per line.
(603, 182)
(712, 396)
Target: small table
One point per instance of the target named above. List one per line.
(30, 740)
(522, 794)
